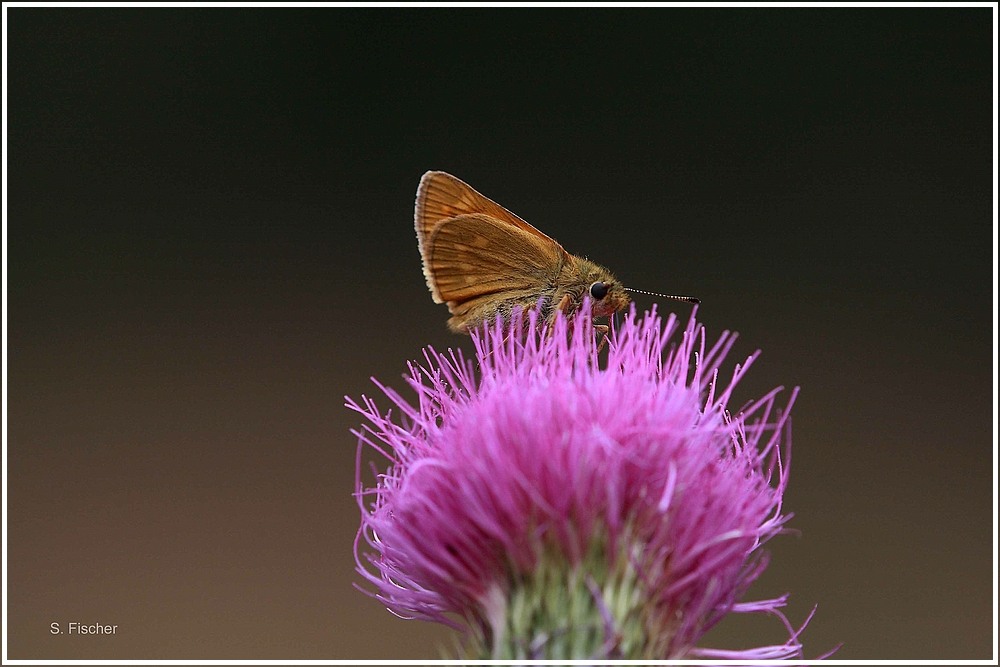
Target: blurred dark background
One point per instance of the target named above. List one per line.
(211, 243)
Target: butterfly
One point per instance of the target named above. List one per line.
(484, 261)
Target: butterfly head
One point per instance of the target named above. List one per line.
(607, 295)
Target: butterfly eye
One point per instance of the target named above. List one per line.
(599, 290)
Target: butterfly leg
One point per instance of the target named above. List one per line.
(564, 306)
(602, 331)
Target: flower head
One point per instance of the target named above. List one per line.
(554, 508)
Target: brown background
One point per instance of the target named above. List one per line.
(210, 244)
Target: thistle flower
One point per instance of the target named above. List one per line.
(551, 508)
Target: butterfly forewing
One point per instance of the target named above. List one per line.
(470, 256)
(441, 196)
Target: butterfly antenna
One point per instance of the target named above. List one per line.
(689, 299)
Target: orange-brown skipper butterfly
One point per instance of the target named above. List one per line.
(483, 261)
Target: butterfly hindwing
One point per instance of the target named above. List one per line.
(469, 256)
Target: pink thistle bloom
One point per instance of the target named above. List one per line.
(554, 509)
